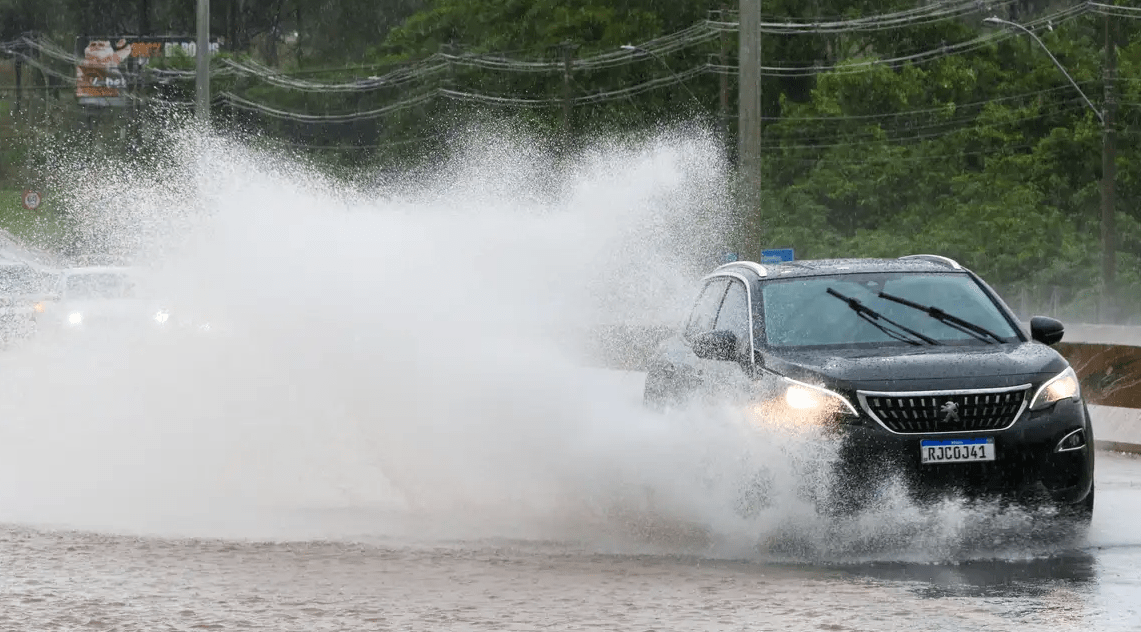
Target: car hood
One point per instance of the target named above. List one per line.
(108, 307)
(922, 368)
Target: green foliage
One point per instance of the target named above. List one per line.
(988, 155)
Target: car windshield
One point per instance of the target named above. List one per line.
(98, 285)
(20, 280)
(800, 312)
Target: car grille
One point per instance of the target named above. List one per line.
(946, 411)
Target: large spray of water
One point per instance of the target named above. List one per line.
(406, 360)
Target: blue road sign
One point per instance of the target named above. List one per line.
(776, 255)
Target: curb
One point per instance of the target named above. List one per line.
(1114, 446)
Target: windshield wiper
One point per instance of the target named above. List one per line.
(965, 326)
(872, 317)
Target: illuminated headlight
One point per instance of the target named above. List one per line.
(1062, 386)
(75, 318)
(39, 307)
(161, 316)
(802, 405)
(800, 396)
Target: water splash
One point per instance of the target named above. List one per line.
(408, 360)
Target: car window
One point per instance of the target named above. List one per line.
(801, 313)
(705, 309)
(19, 280)
(98, 285)
(734, 315)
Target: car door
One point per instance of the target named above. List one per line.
(724, 378)
(704, 315)
(675, 374)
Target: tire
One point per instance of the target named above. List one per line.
(1083, 511)
(1078, 514)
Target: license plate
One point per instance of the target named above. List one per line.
(956, 450)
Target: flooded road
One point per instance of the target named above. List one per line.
(79, 580)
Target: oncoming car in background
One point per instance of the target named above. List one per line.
(105, 298)
(915, 365)
(23, 288)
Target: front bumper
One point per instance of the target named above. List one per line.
(1027, 462)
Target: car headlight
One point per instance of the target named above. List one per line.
(161, 316)
(1062, 386)
(802, 404)
(806, 397)
(39, 307)
(75, 318)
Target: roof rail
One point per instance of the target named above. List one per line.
(936, 259)
(752, 265)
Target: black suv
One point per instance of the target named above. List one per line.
(917, 364)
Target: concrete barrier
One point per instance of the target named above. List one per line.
(1116, 429)
(1103, 334)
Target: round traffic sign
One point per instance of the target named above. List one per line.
(31, 200)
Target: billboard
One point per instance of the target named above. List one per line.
(110, 67)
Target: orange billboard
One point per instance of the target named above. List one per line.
(110, 68)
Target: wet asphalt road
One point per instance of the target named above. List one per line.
(298, 567)
(71, 580)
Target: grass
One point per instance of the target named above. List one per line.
(43, 228)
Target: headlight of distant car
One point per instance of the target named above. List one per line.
(75, 318)
(802, 404)
(161, 316)
(39, 307)
(1062, 386)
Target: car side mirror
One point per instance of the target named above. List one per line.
(716, 345)
(1046, 330)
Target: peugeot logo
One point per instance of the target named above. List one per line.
(950, 412)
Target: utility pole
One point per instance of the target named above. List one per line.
(202, 84)
(749, 120)
(19, 86)
(568, 65)
(723, 61)
(144, 17)
(1109, 172)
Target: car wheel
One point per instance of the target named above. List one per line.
(1083, 511)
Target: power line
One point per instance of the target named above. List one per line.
(238, 102)
(927, 14)
(463, 95)
(932, 110)
(902, 139)
(878, 158)
(854, 67)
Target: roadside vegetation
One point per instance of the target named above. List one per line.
(882, 135)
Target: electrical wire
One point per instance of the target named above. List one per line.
(877, 158)
(1114, 10)
(970, 125)
(465, 96)
(914, 58)
(937, 12)
(236, 101)
(933, 110)
(392, 79)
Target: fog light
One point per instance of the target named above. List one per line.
(75, 318)
(1076, 440)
